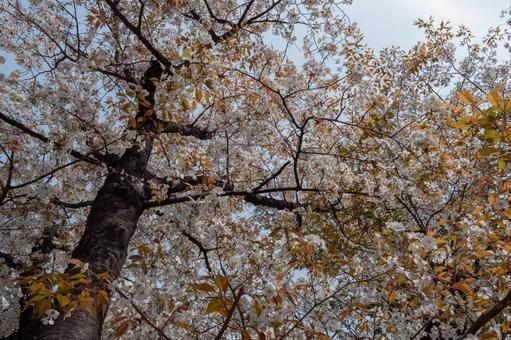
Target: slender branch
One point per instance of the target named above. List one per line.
(254, 198)
(143, 315)
(24, 128)
(266, 11)
(9, 260)
(328, 297)
(51, 172)
(76, 205)
(272, 177)
(185, 130)
(45, 139)
(202, 249)
(229, 314)
(489, 314)
(138, 33)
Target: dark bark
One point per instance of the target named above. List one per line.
(110, 225)
(484, 318)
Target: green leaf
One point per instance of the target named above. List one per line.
(490, 136)
(462, 123)
(501, 164)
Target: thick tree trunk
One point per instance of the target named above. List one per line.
(110, 225)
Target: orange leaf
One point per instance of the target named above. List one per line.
(182, 324)
(258, 307)
(122, 329)
(482, 254)
(204, 287)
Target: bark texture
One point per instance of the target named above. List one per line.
(110, 225)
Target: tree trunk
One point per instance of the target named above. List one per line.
(110, 225)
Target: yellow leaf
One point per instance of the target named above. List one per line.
(461, 285)
(198, 94)
(440, 241)
(505, 326)
(443, 276)
(459, 124)
(488, 151)
(63, 300)
(215, 305)
(442, 222)
(40, 307)
(78, 276)
(84, 298)
(466, 97)
(184, 104)
(501, 164)
(495, 100)
(36, 298)
(507, 212)
(187, 53)
(490, 136)
(392, 297)
(222, 282)
(103, 276)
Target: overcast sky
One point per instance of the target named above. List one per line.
(390, 22)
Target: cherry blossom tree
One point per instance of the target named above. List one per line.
(249, 169)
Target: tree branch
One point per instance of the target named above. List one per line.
(185, 130)
(9, 260)
(138, 33)
(229, 314)
(24, 128)
(143, 315)
(76, 205)
(43, 138)
(489, 314)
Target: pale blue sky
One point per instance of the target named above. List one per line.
(390, 22)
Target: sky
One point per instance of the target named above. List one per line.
(390, 22)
